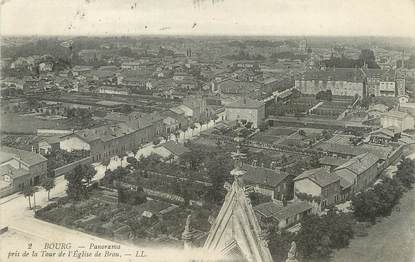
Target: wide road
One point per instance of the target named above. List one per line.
(390, 240)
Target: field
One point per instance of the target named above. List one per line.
(13, 123)
(273, 135)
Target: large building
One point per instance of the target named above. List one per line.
(380, 82)
(270, 182)
(400, 120)
(19, 168)
(318, 183)
(107, 141)
(357, 173)
(246, 109)
(340, 81)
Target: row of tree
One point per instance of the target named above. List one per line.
(379, 200)
(316, 239)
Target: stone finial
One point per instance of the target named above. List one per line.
(292, 253)
(238, 156)
(187, 234)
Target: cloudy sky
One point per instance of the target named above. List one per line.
(217, 17)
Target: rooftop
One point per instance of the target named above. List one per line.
(396, 114)
(320, 176)
(245, 102)
(105, 133)
(30, 158)
(175, 148)
(13, 172)
(278, 212)
(263, 176)
(360, 163)
(335, 74)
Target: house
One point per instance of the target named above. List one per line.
(380, 82)
(81, 70)
(357, 173)
(198, 104)
(171, 124)
(48, 145)
(131, 65)
(331, 162)
(282, 216)
(171, 150)
(231, 86)
(103, 142)
(246, 109)
(383, 136)
(340, 81)
(46, 67)
(401, 120)
(183, 110)
(19, 168)
(113, 90)
(179, 76)
(271, 182)
(318, 183)
(376, 110)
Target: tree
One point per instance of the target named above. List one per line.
(218, 171)
(48, 183)
(326, 134)
(78, 181)
(365, 206)
(35, 189)
(406, 172)
(106, 163)
(313, 238)
(28, 192)
(120, 173)
(263, 126)
(301, 132)
(121, 157)
(132, 161)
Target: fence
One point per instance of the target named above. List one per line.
(71, 166)
(162, 195)
(7, 191)
(43, 131)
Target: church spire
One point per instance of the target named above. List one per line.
(236, 231)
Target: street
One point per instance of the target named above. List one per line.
(15, 213)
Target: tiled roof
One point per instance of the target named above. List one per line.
(13, 172)
(396, 114)
(360, 163)
(332, 161)
(105, 133)
(82, 68)
(27, 157)
(383, 131)
(347, 177)
(245, 102)
(320, 176)
(341, 149)
(263, 176)
(337, 74)
(175, 148)
(278, 212)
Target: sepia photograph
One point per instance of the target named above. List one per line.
(207, 131)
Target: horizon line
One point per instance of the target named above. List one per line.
(201, 35)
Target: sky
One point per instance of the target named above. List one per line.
(209, 17)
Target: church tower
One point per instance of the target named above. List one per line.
(236, 231)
